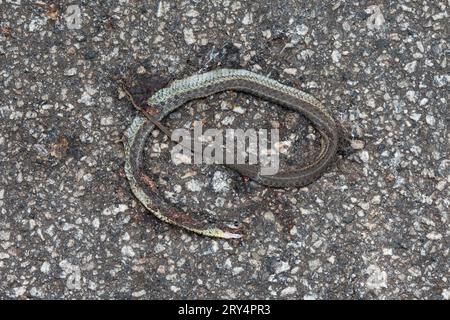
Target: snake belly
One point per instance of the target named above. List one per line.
(179, 92)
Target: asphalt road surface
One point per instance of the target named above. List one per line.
(375, 226)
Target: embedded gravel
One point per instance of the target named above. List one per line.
(375, 226)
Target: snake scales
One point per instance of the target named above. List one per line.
(179, 92)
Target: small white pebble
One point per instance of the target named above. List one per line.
(237, 270)
(128, 251)
(248, 19)
(269, 216)
(291, 71)
(239, 110)
(364, 156)
(228, 120)
(267, 34)
(446, 294)
(434, 235)
(141, 70)
(302, 30)
(96, 223)
(194, 185)
(441, 185)
(430, 120)
(293, 231)
(70, 72)
(174, 288)
(138, 294)
(410, 67)
(282, 266)
(423, 102)
(189, 36)
(288, 291)
(45, 267)
(19, 291)
(5, 235)
(415, 116)
(376, 199)
(192, 13)
(106, 121)
(357, 144)
(314, 264)
(336, 56)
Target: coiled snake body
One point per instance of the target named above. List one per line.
(198, 86)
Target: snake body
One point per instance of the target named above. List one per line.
(179, 92)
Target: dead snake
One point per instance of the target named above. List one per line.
(179, 92)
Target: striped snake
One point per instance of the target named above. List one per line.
(179, 92)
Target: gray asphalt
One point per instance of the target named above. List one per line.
(375, 226)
